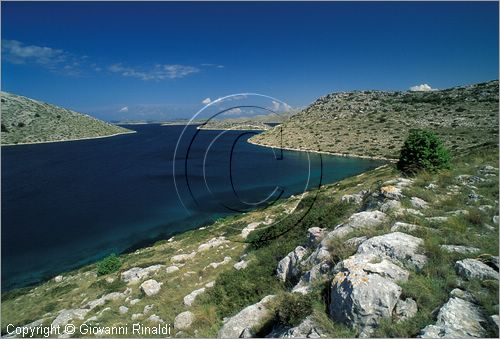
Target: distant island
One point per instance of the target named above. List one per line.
(27, 121)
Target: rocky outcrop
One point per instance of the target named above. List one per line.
(306, 329)
(315, 235)
(150, 287)
(364, 290)
(458, 318)
(418, 203)
(136, 274)
(179, 258)
(289, 267)
(65, 316)
(472, 268)
(251, 317)
(184, 320)
(399, 247)
(354, 198)
(214, 265)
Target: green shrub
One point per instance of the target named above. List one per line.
(292, 308)
(108, 265)
(423, 150)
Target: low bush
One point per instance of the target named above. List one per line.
(292, 308)
(108, 265)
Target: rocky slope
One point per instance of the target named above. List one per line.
(26, 120)
(376, 255)
(376, 123)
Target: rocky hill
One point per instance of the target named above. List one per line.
(26, 120)
(375, 123)
(375, 255)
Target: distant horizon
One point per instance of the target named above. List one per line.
(161, 61)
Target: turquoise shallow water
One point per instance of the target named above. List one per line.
(68, 204)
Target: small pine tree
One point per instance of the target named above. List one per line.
(423, 150)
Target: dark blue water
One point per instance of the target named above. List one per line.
(67, 204)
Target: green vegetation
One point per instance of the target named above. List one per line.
(29, 121)
(376, 123)
(108, 265)
(423, 150)
(292, 308)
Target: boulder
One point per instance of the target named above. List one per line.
(254, 317)
(361, 300)
(123, 309)
(457, 318)
(391, 192)
(184, 320)
(361, 220)
(136, 274)
(156, 319)
(396, 246)
(289, 267)
(172, 269)
(179, 258)
(58, 278)
(150, 287)
(403, 226)
(354, 198)
(107, 297)
(242, 264)
(459, 249)
(472, 268)
(306, 329)
(418, 203)
(458, 293)
(148, 308)
(315, 235)
(191, 297)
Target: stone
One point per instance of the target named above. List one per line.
(396, 246)
(150, 287)
(254, 316)
(191, 297)
(472, 268)
(123, 309)
(458, 293)
(134, 301)
(403, 226)
(474, 197)
(391, 192)
(179, 258)
(457, 318)
(306, 329)
(212, 243)
(65, 316)
(458, 213)
(418, 203)
(354, 198)
(105, 298)
(487, 169)
(58, 278)
(210, 284)
(137, 316)
(405, 309)
(356, 241)
(289, 267)
(391, 206)
(148, 308)
(136, 274)
(172, 269)
(156, 319)
(242, 264)
(315, 235)
(496, 320)
(431, 186)
(361, 220)
(214, 265)
(460, 249)
(184, 320)
(245, 232)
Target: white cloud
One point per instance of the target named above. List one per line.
(158, 72)
(422, 88)
(206, 101)
(123, 109)
(233, 111)
(277, 106)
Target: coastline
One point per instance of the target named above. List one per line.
(67, 140)
(324, 152)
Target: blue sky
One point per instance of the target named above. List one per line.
(160, 60)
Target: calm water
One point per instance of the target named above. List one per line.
(71, 203)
